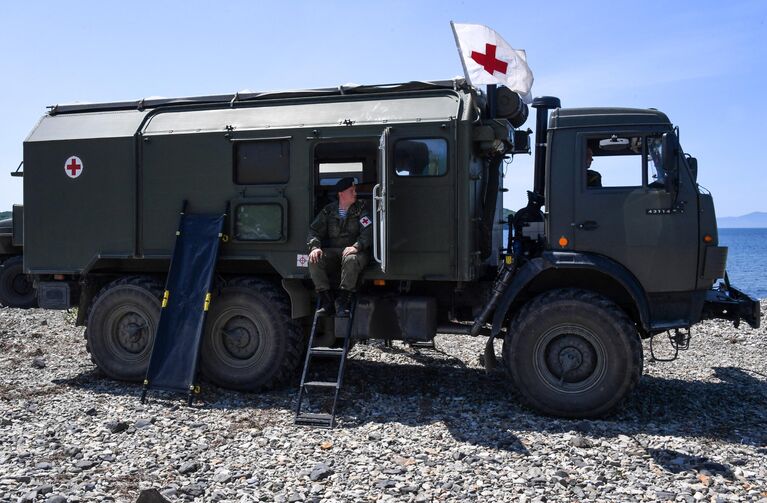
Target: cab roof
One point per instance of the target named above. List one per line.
(606, 116)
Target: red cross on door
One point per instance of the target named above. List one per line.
(73, 167)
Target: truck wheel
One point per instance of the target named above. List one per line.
(250, 342)
(121, 325)
(16, 290)
(572, 353)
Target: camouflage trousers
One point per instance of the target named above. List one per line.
(350, 266)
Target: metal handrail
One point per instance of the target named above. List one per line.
(376, 198)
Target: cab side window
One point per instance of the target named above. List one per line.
(420, 157)
(613, 161)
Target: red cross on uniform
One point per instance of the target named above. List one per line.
(73, 167)
(488, 60)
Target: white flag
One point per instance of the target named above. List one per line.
(488, 59)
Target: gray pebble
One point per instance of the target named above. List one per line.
(579, 441)
(143, 423)
(85, 464)
(117, 426)
(189, 467)
(193, 489)
(222, 476)
(320, 471)
(45, 489)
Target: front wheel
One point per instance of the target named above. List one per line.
(572, 353)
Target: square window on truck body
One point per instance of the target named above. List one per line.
(262, 162)
(258, 222)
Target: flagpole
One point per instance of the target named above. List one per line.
(460, 53)
(490, 89)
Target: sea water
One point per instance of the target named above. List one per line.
(746, 259)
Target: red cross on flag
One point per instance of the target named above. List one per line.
(488, 59)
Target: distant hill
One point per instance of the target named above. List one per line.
(755, 219)
(5, 214)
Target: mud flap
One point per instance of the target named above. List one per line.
(176, 349)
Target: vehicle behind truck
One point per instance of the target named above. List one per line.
(16, 288)
(588, 270)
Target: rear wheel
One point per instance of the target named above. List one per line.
(250, 342)
(16, 289)
(121, 325)
(572, 353)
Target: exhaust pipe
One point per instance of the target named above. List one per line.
(543, 104)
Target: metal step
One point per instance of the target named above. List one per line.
(323, 351)
(322, 384)
(314, 419)
(323, 419)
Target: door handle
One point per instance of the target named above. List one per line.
(588, 225)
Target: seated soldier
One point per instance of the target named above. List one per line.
(593, 178)
(340, 235)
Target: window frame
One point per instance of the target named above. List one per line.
(583, 140)
(282, 203)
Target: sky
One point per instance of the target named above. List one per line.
(703, 63)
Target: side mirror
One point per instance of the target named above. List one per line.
(670, 149)
(692, 163)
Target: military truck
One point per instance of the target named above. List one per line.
(586, 272)
(16, 288)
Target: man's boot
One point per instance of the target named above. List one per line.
(343, 303)
(326, 303)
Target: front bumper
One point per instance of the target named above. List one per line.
(728, 303)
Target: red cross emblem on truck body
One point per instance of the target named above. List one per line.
(488, 60)
(73, 167)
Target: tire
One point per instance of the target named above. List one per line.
(580, 330)
(16, 290)
(122, 322)
(250, 342)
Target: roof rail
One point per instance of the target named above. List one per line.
(231, 99)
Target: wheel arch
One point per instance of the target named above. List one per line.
(587, 271)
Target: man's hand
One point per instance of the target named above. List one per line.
(349, 250)
(315, 255)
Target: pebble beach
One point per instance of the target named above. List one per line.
(414, 424)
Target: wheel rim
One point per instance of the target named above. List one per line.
(236, 337)
(21, 285)
(129, 332)
(570, 359)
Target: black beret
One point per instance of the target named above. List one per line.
(344, 183)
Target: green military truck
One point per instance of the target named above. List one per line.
(586, 272)
(16, 288)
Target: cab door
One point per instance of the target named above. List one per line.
(417, 204)
(625, 209)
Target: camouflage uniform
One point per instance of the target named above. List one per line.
(332, 234)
